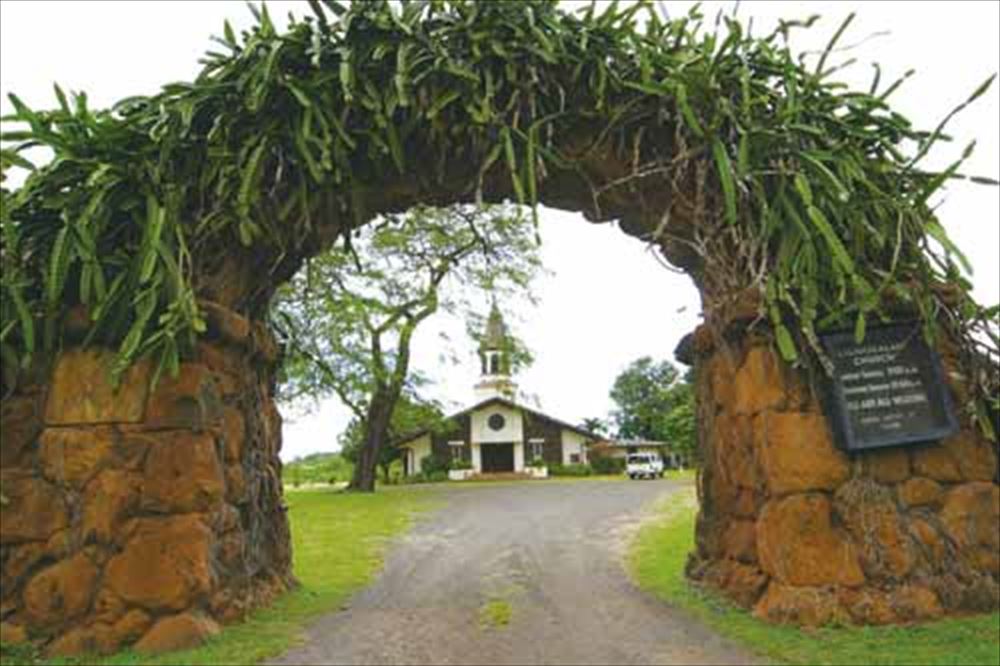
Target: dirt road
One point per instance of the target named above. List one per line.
(549, 554)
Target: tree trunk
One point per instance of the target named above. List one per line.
(376, 430)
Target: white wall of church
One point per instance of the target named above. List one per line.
(419, 449)
(512, 431)
(573, 443)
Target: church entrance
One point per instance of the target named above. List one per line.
(498, 457)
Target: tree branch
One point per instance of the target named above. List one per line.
(378, 363)
(332, 378)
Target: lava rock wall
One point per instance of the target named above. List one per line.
(799, 531)
(139, 517)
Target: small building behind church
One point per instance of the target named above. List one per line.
(622, 448)
(497, 434)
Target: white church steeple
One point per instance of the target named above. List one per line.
(494, 355)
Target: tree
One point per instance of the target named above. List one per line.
(595, 425)
(655, 403)
(642, 393)
(348, 318)
(680, 427)
(411, 414)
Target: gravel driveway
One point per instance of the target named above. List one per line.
(550, 552)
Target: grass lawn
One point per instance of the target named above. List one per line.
(656, 563)
(338, 541)
(495, 614)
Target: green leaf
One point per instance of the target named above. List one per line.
(402, 74)
(130, 344)
(832, 43)
(342, 132)
(12, 158)
(802, 186)
(395, 147)
(441, 102)
(981, 90)
(23, 112)
(347, 77)
(156, 216)
(490, 159)
(937, 232)
(228, 31)
(786, 345)
(317, 9)
(743, 156)
(937, 134)
(302, 98)
(315, 171)
(61, 97)
(939, 179)
(895, 85)
(875, 79)
(58, 267)
(840, 254)
(27, 321)
(335, 6)
(529, 162)
(726, 178)
(843, 196)
(246, 230)
(859, 328)
(687, 112)
(251, 171)
(16, 136)
(508, 144)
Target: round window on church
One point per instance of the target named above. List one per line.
(496, 421)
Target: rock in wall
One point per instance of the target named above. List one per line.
(799, 531)
(143, 517)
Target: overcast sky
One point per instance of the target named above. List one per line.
(608, 300)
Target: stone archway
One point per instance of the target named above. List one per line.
(132, 512)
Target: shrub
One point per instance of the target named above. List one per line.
(435, 463)
(433, 469)
(607, 465)
(574, 469)
(459, 464)
(537, 462)
(396, 473)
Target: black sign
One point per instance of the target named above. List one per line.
(887, 390)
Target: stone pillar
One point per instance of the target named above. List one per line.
(799, 531)
(138, 517)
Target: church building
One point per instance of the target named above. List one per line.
(497, 434)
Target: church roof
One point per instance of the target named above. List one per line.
(513, 405)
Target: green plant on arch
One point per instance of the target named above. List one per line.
(779, 178)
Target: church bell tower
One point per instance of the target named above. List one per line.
(494, 357)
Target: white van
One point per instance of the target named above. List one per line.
(643, 465)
